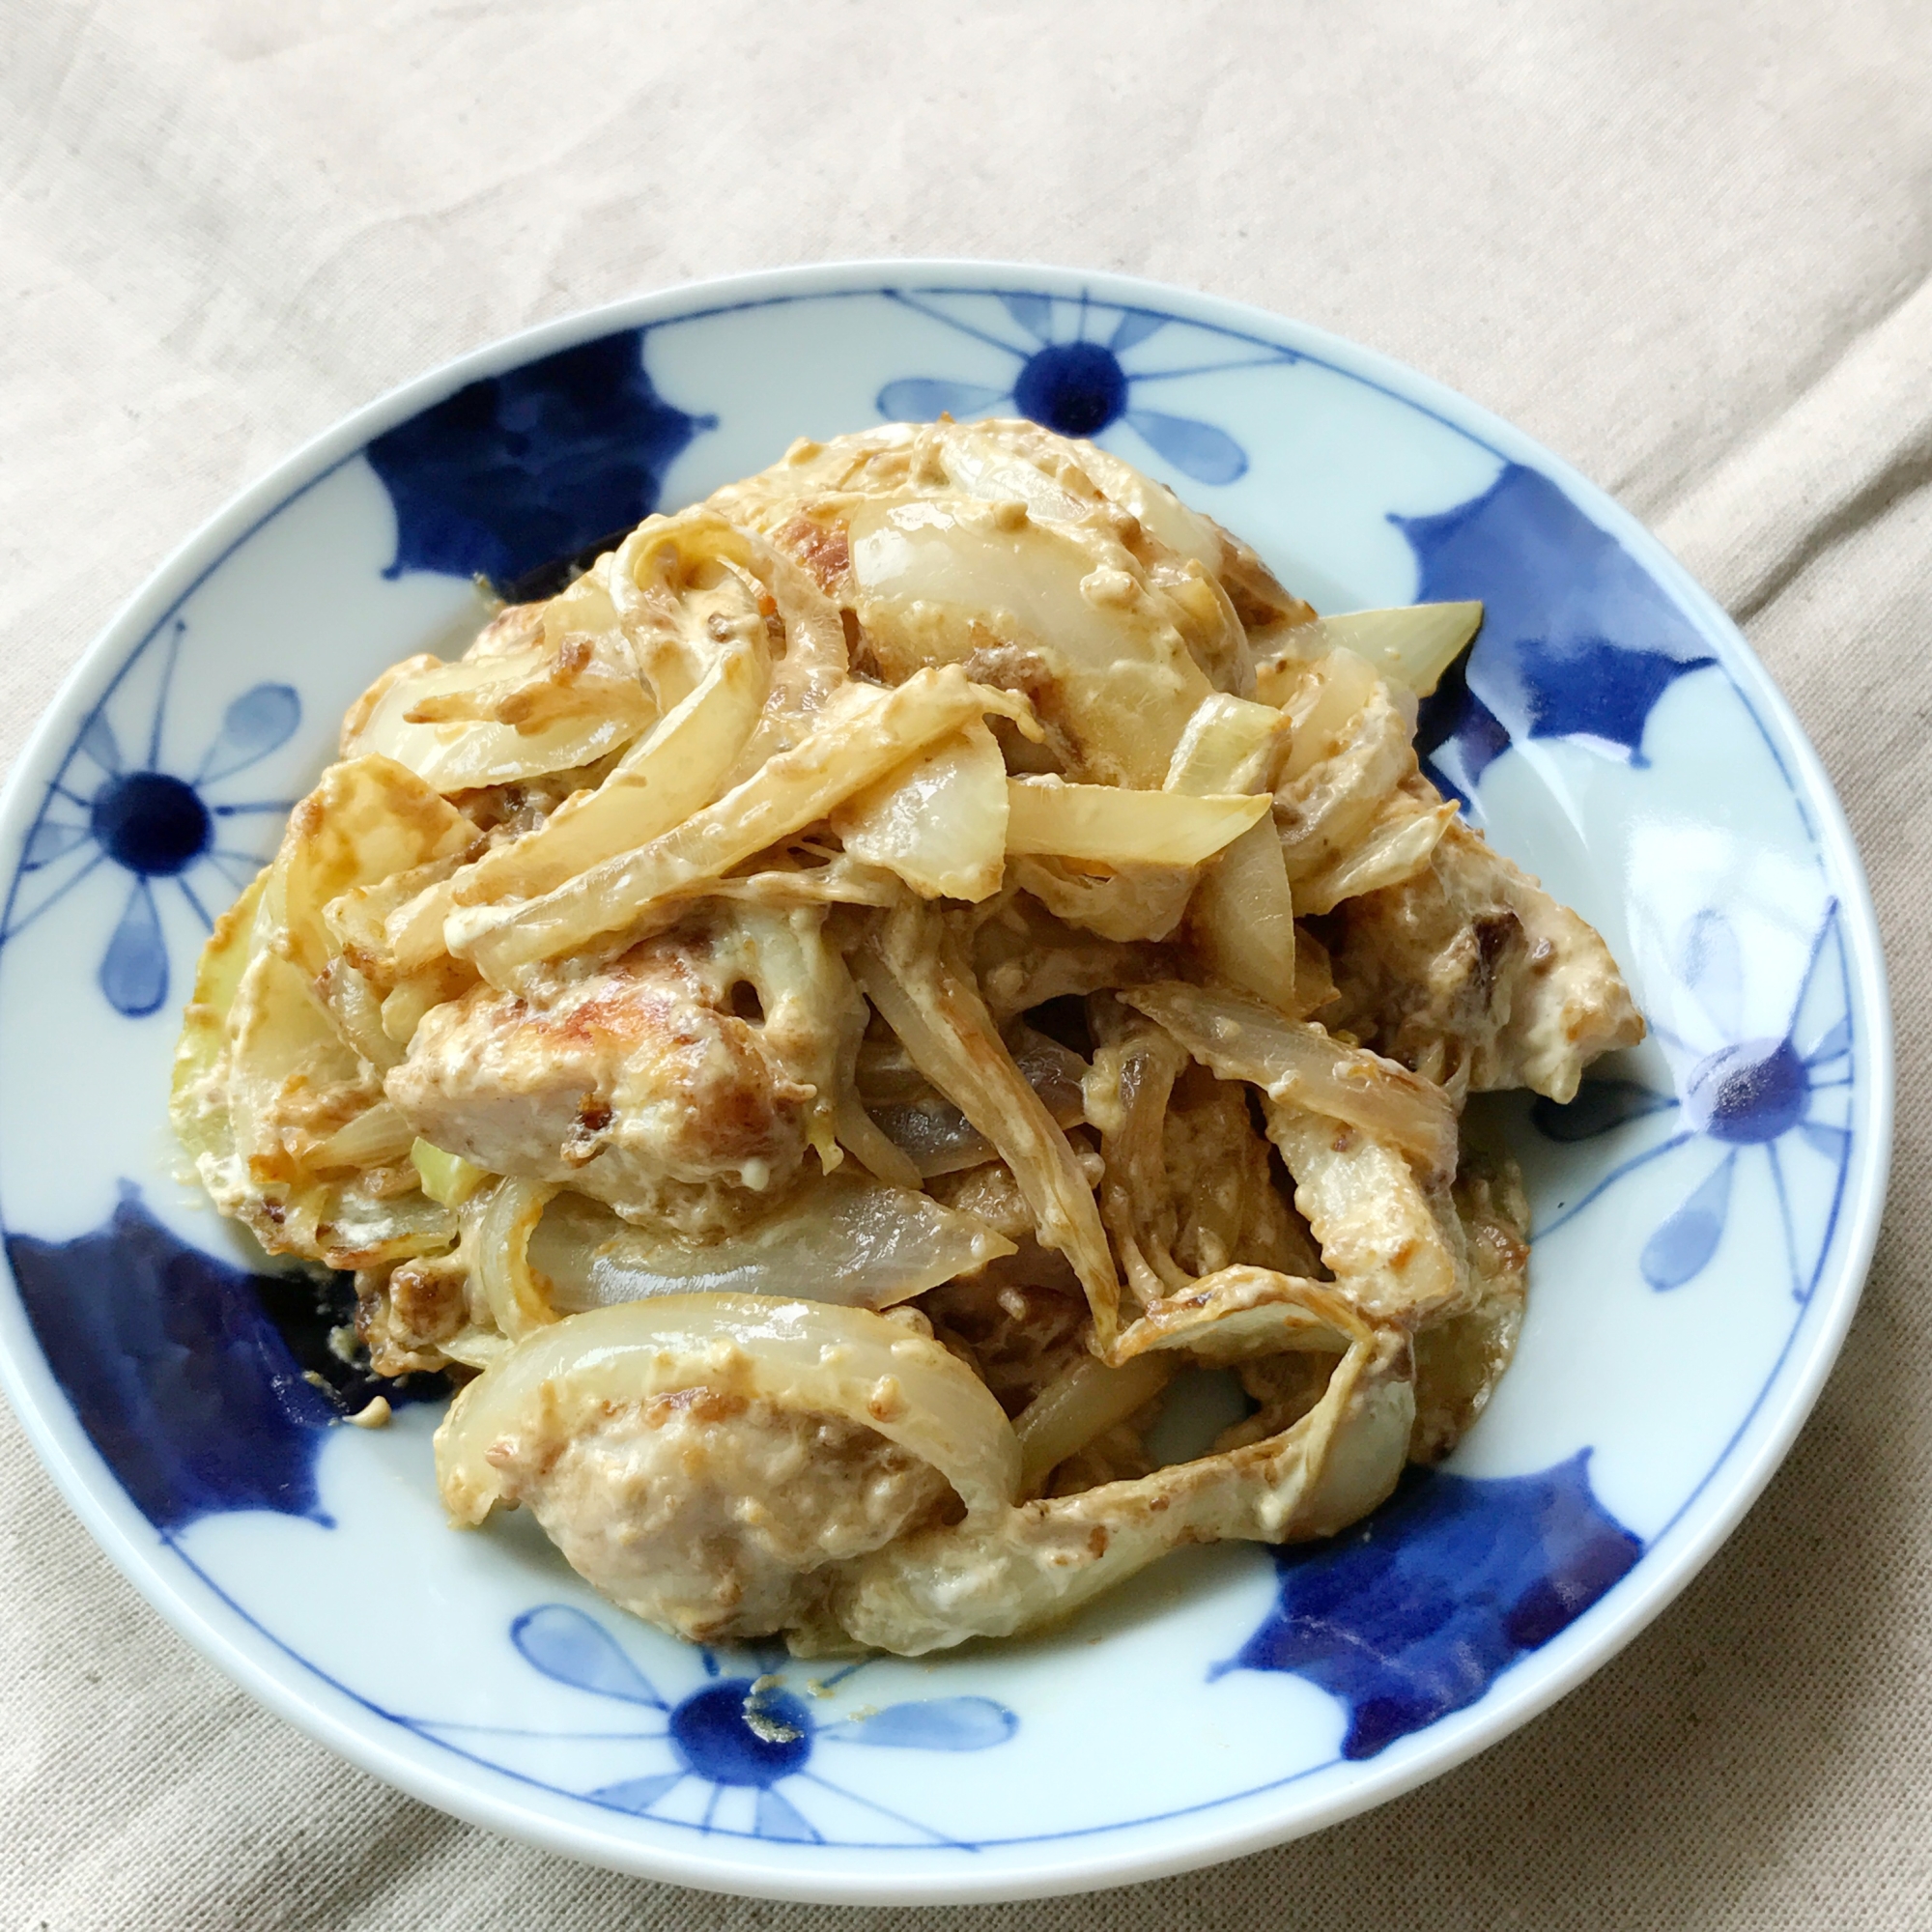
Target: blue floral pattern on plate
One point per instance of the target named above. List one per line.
(745, 1727)
(515, 472)
(110, 805)
(1736, 1096)
(1080, 384)
(1576, 641)
(205, 1387)
(1417, 1610)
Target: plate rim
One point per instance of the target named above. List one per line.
(228, 1639)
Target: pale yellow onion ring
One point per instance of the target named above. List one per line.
(800, 1355)
(499, 1225)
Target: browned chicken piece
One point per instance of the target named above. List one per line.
(1474, 977)
(642, 1084)
(712, 1514)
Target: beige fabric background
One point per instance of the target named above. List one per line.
(1686, 244)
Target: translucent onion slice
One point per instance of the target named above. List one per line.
(939, 822)
(357, 1228)
(1110, 825)
(1323, 813)
(800, 1355)
(1396, 846)
(1127, 1098)
(934, 1006)
(497, 1229)
(942, 581)
(1241, 1312)
(446, 1177)
(367, 819)
(1230, 744)
(684, 584)
(376, 1135)
(937, 1138)
(1019, 1568)
(1244, 914)
(868, 738)
(1322, 700)
(663, 779)
(1126, 904)
(1296, 1062)
(1089, 1399)
(1396, 1249)
(1414, 644)
(848, 1240)
(407, 715)
(199, 1115)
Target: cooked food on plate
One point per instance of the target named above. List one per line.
(839, 1027)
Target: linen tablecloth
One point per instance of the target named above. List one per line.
(1685, 244)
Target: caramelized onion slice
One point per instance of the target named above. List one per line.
(800, 1355)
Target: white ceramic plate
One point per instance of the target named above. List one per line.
(1705, 1211)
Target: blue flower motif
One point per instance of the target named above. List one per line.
(1740, 1098)
(109, 806)
(1578, 640)
(1079, 385)
(206, 1388)
(1415, 1611)
(174, 1365)
(518, 472)
(734, 1732)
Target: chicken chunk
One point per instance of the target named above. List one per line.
(1474, 977)
(712, 1514)
(641, 1084)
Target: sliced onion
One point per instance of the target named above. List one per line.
(937, 1138)
(1113, 825)
(376, 1135)
(1297, 1062)
(497, 1229)
(1244, 914)
(874, 733)
(933, 1005)
(451, 754)
(1396, 847)
(939, 822)
(1415, 643)
(847, 1239)
(802, 1355)
(1077, 1406)
(1242, 1312)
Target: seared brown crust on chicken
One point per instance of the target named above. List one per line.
(639, 1084)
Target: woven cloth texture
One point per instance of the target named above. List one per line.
(1684, 243)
